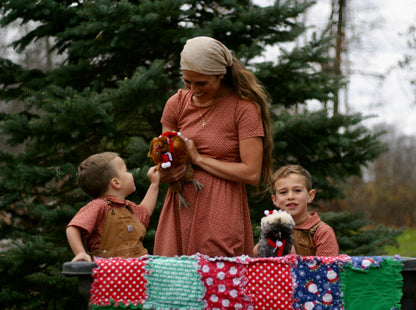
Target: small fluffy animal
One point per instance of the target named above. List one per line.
(170, 150)
(276, 236)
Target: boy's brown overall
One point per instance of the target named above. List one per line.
(123, 234)
(304, 240)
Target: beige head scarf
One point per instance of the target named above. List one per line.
(206, 55)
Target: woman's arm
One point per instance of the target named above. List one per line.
(247, 171)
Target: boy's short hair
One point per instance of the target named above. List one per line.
(95, 173)
(285, 171)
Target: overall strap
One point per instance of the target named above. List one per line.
(314, 228)
(123, 234)
(304, 240)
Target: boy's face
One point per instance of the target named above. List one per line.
(124, 177)
(292, 196)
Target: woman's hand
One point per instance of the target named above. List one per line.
(172, 174)
(195, 156)
(248, 170)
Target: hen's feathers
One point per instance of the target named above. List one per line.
(161, 145)
(177, 154)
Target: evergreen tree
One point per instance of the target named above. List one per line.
(121, 64)
(358, 235)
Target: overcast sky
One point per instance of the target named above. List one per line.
(380, 50)
(378, 45)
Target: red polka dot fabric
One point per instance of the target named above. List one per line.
(118, 281)
(270, 283)
(225, 283)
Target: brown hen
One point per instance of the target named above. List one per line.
(170, 150)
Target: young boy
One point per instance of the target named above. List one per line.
(292, 192)
(110, 225)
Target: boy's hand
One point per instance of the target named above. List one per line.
(82, 256)
(153, 175)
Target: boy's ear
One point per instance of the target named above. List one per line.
(274, 199)
(114, 183)
(311, 195)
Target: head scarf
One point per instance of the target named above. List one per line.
(206, 55)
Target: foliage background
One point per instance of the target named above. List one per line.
(117, 64)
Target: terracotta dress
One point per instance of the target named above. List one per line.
(217, 222)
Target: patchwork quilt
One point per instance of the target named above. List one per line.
(288, 282)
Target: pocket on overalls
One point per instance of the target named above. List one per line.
(304, 243)
(125, 228)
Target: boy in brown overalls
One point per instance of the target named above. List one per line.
(293, 192)
(110, 225)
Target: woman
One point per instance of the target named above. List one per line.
(224, 117)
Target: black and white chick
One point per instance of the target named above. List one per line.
(276, 236)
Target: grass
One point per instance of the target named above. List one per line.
(407, 244)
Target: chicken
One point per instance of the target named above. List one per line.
(169, 149)
(276, 236)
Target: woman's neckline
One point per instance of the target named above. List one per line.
(224, 93)
(209, 104)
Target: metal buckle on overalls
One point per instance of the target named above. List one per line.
(110, 205)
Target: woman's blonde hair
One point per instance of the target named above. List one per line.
(248, 87)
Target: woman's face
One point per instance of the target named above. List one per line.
(204, 88)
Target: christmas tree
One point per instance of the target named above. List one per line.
(120, 63)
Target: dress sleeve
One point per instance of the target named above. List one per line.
(172, 110)
(249, 121)
(325, 241)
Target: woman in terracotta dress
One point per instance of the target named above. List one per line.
(224, 118)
